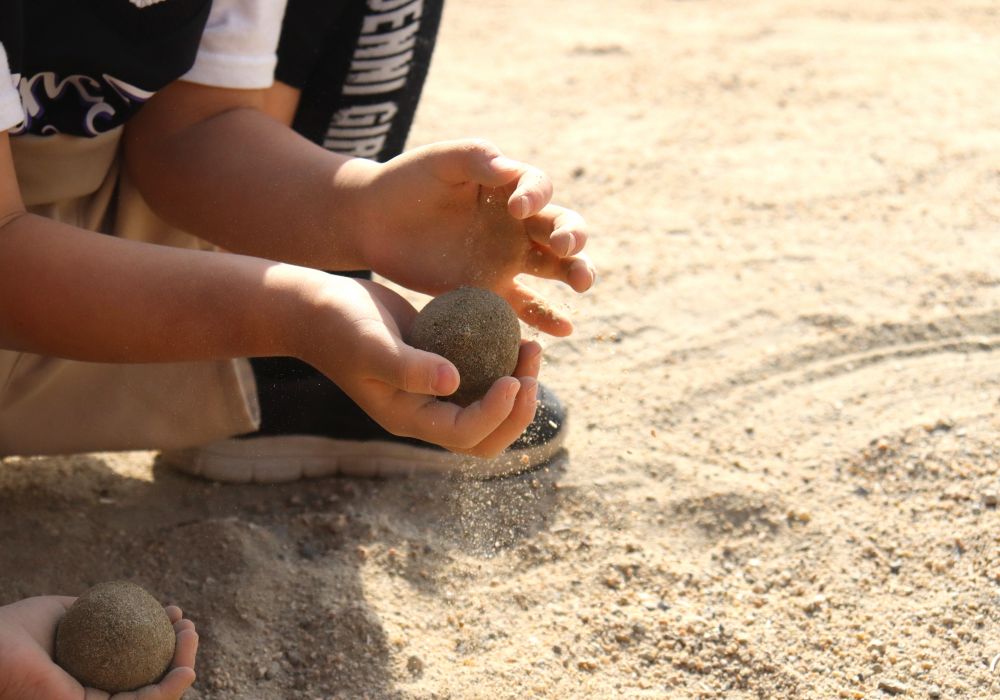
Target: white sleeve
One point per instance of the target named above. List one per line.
(11, 111)
(239, 48)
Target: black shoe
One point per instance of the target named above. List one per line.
(310, 428)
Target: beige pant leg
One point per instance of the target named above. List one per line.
(55, 406)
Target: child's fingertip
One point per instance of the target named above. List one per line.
(526, 206)
(519, 204)
(532, 350)
(178, 680)
(529, 388)
(577, 240)
(504, 164)
(562, 243)
(562, 327)
(183, 624)
(512, 389)
(446, 380)
(581, 276)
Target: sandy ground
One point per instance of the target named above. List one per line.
(782, 476)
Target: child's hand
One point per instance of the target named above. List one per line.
(458, 213)
(27, 671)
(355, 337)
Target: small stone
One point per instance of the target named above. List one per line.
(814, 604)
(942, 425)
(892, 686)
(415, 666)
(990, 498)
(934, 692)
(294, 658)
(877, 646)
(649, 601)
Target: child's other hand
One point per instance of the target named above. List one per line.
(27, 671)
(355, 337)
(459, 213)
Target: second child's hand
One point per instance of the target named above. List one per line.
(27, 671)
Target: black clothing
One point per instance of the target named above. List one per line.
(87, 67)
(360, 68)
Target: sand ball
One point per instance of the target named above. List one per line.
(477, 331)
(115, 637)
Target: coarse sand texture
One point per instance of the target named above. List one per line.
(115, 637)
(477, 331)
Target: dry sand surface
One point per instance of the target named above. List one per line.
(781, 480)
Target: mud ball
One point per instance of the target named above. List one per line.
(115, 637)
(477, 331)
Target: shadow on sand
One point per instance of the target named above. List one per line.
(271, 574)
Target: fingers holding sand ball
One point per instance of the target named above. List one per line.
(477, 331)
(116, 637)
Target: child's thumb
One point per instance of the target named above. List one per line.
(473, 160)
(415, 371)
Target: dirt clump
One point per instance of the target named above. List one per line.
(116, 637)
(477, 331)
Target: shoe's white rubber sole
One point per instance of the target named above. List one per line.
(291, 457)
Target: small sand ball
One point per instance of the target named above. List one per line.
(477, 331)
(115, 637)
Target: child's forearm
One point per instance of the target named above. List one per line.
(210, 164)
(87, 296)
